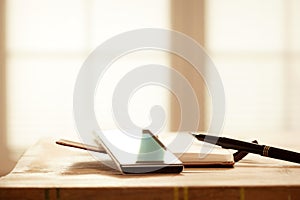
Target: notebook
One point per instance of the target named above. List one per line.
(212, 156)
(199, 154)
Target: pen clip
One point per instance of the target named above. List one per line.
(239, 155)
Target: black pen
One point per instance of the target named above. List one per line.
(263, 150)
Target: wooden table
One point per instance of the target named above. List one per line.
(48, 171)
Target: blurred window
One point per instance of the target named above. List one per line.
(254, 43)
(48, 41)
(256, 47)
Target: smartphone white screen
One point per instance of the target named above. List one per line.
(139, 150)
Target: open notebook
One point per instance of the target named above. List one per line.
(199, 154)
(192, 157)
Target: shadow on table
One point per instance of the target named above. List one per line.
(97, 167)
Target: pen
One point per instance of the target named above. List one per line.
(262, 150)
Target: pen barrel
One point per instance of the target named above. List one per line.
(281, 154)
(240, 145)
(263, 150)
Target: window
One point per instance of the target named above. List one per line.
(255, 46)
(48, 41)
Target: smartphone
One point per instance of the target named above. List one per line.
(139, 153)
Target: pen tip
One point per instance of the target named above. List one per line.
(198, 136)
(193, 134)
